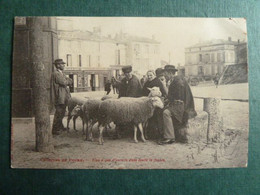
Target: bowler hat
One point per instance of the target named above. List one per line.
(170, 68)
(59, 61)
(127, 69)
(159, 72)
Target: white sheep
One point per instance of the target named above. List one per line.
(125, 110)
(74, 110)
(90, 114)
(154, 91)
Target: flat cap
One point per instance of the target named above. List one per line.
(59, 61)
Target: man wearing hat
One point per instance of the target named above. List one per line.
(130, 85)
(181, 105)
(60, 95)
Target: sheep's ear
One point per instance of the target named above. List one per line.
(150, 89)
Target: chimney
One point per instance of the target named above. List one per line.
(229, 39)
(238, 41)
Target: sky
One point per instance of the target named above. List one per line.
(175, 34)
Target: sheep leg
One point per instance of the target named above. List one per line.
(83, 125)
(145, 124)
(68, 121)
(140, 126)
(74, 122)
(91, 130)
(101, 141)
(135, 132)
(86, 121)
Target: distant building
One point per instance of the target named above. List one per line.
(88, 56)
(141, 52)
(92, 58)
(209, 58)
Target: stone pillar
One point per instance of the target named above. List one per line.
(215, 131)
(40, 85)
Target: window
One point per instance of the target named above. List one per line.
(79, 60)
(212, 57)
(69, 60)
(200, 70)
(137, 49)
(147, 49)
(200, 58)
(207, 58)
(89, 61)
(218, 57)
(118, 56)
(98, 60)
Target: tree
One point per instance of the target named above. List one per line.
(40, 84)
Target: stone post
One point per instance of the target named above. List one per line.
(40, 85)
(215, 131)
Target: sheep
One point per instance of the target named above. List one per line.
(90, 113)
(125, 110)
(154, 91)
(74, 104)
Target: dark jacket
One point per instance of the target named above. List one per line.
(108, 86)
(130, 88)
(60, 93)
(181, 100)
(154, 83)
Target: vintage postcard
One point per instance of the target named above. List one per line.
(129, 93)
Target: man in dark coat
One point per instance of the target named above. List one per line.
(60, 95)
(130, 85)
(108, 87)
(181, 105)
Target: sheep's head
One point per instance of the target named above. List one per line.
(76, 110)
(155, 91)
(157, 102)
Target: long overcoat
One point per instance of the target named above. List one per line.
(60, 92)
(130, 88)
(181, 100)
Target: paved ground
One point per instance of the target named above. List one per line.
(71, 151)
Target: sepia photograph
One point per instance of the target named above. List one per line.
(129, 93)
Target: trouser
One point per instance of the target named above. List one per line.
(170, 123)
(108, 91)
(155, 125)
(58, 116)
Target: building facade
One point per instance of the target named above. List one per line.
(92, 59)
(208, 59)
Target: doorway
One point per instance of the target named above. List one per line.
(71, 86)
(93, 82)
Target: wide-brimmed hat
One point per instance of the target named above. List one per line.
(59, 61)
(170, 68)
(127, 69)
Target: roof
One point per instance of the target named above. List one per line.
(217, 42)
(82, 35)
(123, 37)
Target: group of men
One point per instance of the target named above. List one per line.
(180, 103)
(177, 111)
